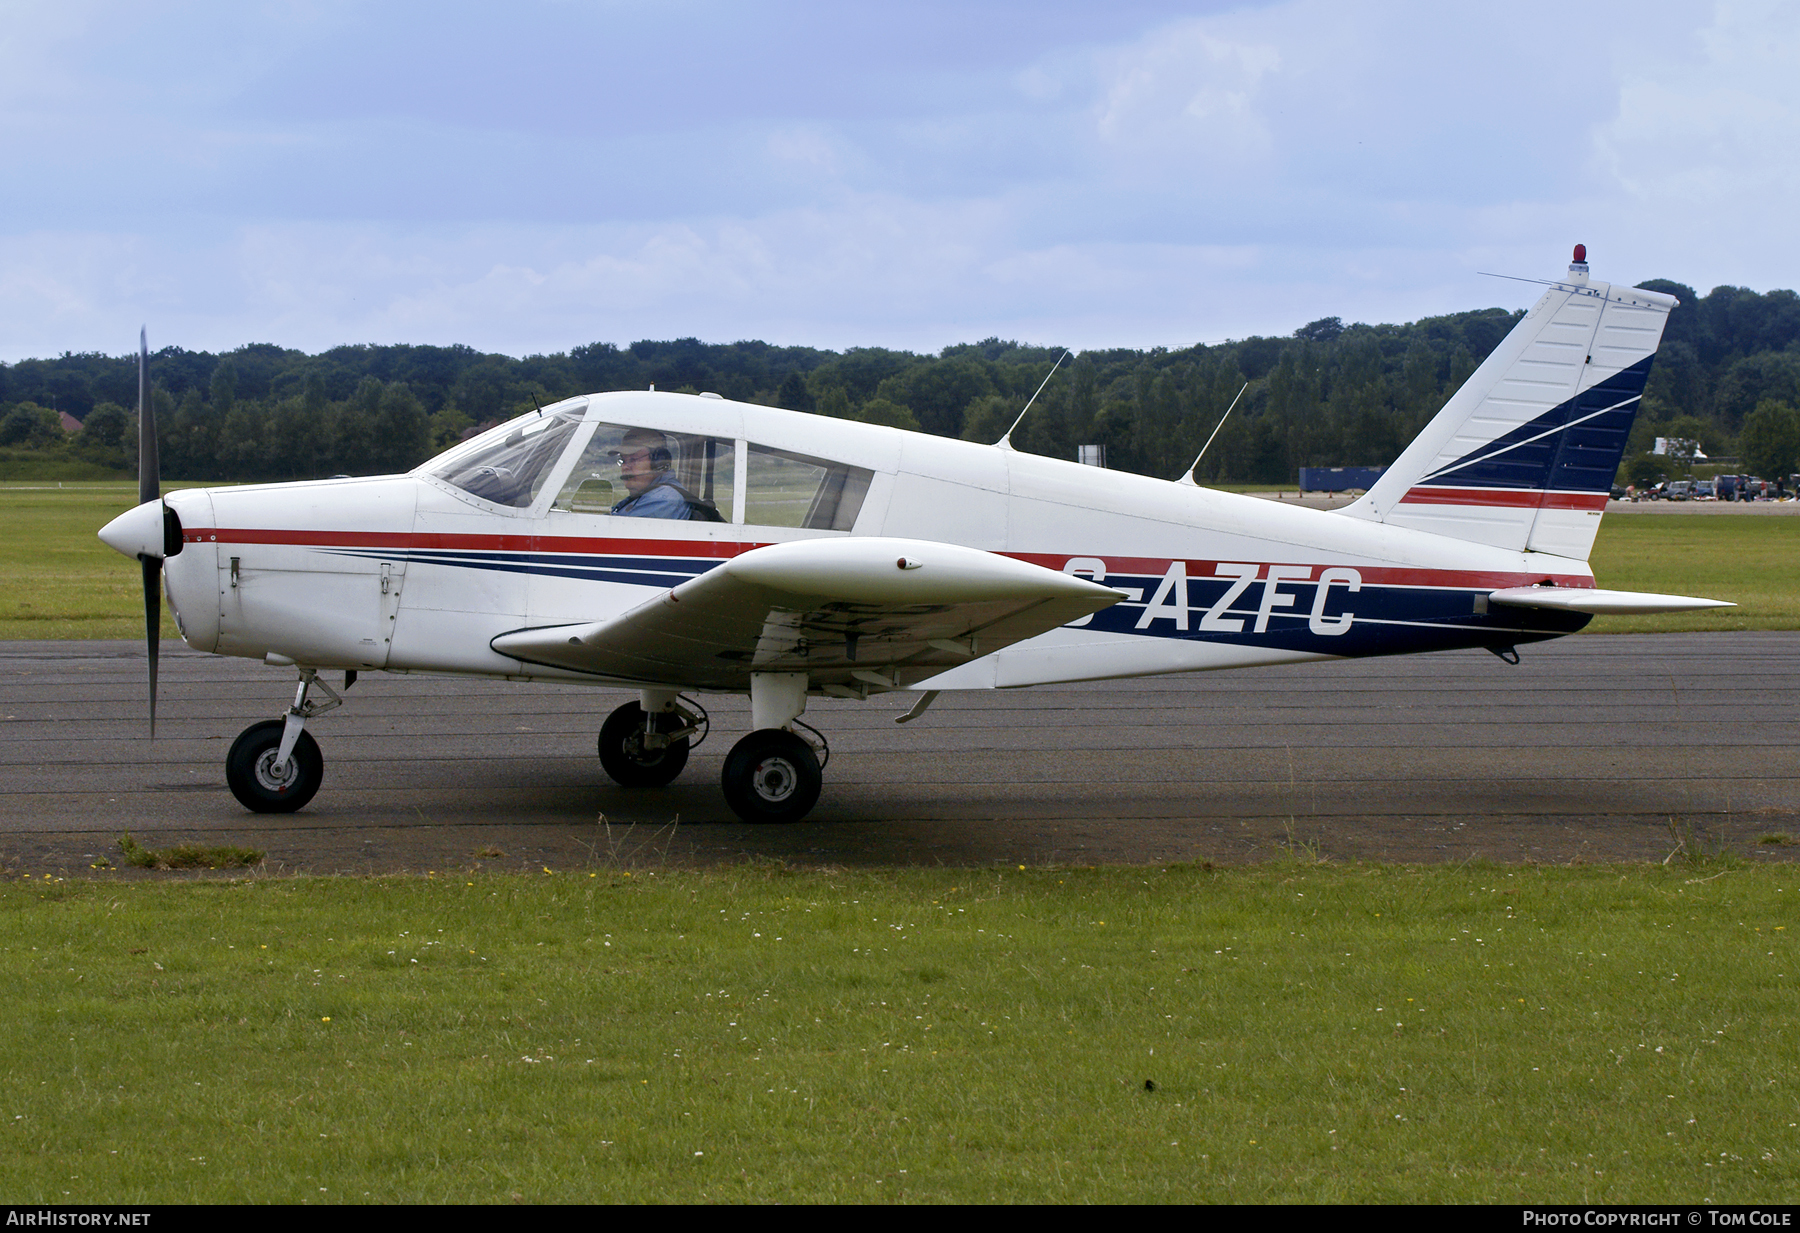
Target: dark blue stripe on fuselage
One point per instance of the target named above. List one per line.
(662, 572)
(1385, 620)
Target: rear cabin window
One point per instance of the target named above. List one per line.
(784, 489)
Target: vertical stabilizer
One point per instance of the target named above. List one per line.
(1523, 455)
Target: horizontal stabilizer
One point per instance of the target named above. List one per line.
(850, 613)
(1601, 603)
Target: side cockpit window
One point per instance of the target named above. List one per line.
(785, 489)
(635, 471)
(650, 473)
(510, 465)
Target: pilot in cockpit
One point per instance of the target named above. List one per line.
(644, 467)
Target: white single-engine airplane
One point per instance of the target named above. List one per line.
(677, 544)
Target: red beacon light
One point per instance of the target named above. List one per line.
(1581, 254)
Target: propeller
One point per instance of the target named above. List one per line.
(149, 530)
(149, 489)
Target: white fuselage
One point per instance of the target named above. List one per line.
(412, 573)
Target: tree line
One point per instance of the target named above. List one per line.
(1330, 394)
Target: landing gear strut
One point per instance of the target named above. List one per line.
(275, 766)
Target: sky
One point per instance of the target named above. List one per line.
(529, 177)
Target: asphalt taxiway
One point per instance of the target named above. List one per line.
(1592, 748)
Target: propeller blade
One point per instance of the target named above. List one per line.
(149, 489)
(152, 624)
(149, 469)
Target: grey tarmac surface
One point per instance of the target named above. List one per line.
(1593, 748)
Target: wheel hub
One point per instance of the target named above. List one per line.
(774, 779)
(268, 780)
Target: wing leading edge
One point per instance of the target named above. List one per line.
(854, 614)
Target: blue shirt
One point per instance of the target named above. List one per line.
(662, 499)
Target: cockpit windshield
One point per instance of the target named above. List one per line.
(509, 465)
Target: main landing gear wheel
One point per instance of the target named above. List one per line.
(622, 752)
(771, 776)
(249, 769)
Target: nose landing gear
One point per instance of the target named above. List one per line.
(275, 766)
(251, 769)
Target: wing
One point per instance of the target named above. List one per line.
(853, 614)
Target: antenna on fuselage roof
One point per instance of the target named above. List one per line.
(1189, 479)
(1005, 443)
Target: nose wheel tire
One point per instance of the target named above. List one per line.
(250, 769)
(771, 776)
(624, 757)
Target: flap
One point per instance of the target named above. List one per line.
(852, 613)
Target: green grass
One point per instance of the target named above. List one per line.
(1752, 561)
(59, 581)
(1314, 1033)
(40, 466)
(186, 856)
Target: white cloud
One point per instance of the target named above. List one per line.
(1702, 145)
(288, 177)
(1187, 91)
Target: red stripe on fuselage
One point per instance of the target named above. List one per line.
(1505, 497)
(1116, 566)
(401, 540)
